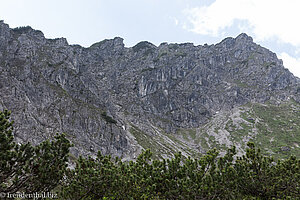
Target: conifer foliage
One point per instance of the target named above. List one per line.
(27, 168)
(251, 176)
(42, 168)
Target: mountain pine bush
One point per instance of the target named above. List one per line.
(43, 168)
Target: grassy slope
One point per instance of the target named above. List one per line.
(278, 128)
(274, 128)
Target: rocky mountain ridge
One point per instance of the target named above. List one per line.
(121, 100)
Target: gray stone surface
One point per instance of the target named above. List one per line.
(51, 86)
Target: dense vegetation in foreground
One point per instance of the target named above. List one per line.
(43, 168)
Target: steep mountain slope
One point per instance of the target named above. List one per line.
(174, 97)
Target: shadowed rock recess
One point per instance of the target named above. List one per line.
(174, 97)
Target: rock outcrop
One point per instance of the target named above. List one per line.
(104, 95)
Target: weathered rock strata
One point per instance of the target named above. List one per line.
(97, 94)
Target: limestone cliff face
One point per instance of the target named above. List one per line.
(111, 98)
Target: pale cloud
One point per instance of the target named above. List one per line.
(266, 18)
(291, 63)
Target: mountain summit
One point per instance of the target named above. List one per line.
(174, 97)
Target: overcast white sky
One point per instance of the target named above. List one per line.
(272, 23)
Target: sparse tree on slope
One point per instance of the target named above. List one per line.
(27, 168)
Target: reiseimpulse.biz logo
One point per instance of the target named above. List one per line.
(23, 195)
